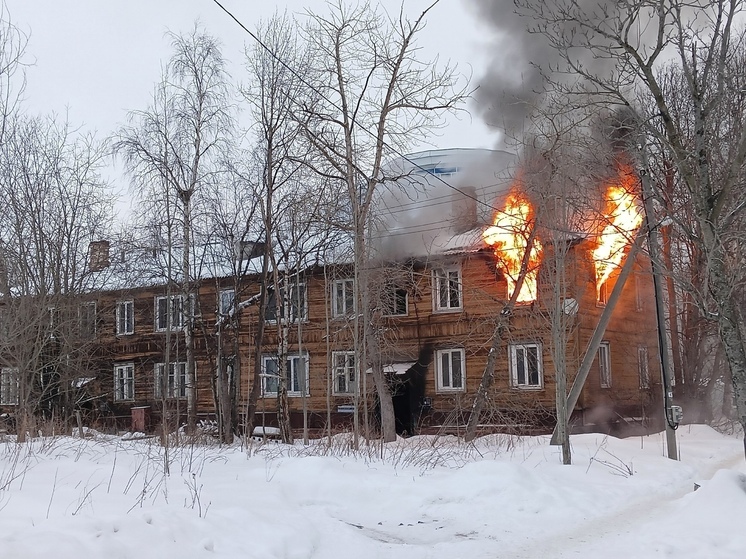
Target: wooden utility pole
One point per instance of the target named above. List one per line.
(597, 336)
(658, 272)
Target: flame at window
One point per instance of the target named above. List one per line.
(509, 238)
(623, 217)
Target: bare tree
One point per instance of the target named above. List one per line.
(55, 207)
(700, 130)
(176, 144)
(271, 169)
(233, 226)
(375, 98)
(13, 43)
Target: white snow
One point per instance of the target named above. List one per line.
(508, 497)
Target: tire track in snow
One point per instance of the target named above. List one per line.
(588, 538)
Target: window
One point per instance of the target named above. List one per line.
(447, 289)
(297, 295)
(169, 313)
(603, 294)
(642, 366)
(343, 299)
(638, 292)
(54, 321)
(344, 372)
(87, 315)
(525, 365)
(450, 369)
(4, 326)
(124, 382)
(296, 375)
(173, 384)
(604, 364)
(227, 298)
(396, 301)
(125, 318)
(8, 386)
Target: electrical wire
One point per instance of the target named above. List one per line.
(495, 211)
(333, 104)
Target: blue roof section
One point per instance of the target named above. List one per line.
(438, 199)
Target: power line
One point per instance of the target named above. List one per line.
(337, 107)
(409, 205)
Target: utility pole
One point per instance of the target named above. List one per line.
(670, 412)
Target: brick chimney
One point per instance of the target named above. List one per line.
(98, 256)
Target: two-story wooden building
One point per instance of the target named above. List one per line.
(434, 316)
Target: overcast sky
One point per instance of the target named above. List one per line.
(98, 59)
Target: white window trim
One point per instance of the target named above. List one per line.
(291, 393)
(406, 301)
(10, 386)
(129, 379)
(118, 317)
(54, 321)
(639, 305)
(445, 272)
(169, 312)
(439, 370)
(304, 309)
(347, 284)
(604, 364)
(222, 297)
(351, 384)
(513, 363)
(179, 388)
(643, 368)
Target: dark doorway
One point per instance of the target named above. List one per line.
(404, 410)
(408, 393)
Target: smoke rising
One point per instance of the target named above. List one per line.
(445, 195)
(523, 57)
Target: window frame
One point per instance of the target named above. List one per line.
(127, 315)
(393, 291)
(176, 387)
(513, 350)
(643, 366)
(224, 299)
(343, 294)
(639, 299)
(603, 293)
(604, 364)
(292, 359)
(439, 372)
(343, 372)
(10, 386)
(170, 326)
(270, 309)
(443, 275)
(86, 320)
(124, 384)
(54, 321)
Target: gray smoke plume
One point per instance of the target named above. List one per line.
(442, 200)
(515, 78)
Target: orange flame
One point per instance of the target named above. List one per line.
(509, 238)
(623, 217)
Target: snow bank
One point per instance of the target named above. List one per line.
(416, 498)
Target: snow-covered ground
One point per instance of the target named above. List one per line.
(504, 497)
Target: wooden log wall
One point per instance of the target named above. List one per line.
(470, 327)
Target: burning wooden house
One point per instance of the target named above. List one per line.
(459, 245)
